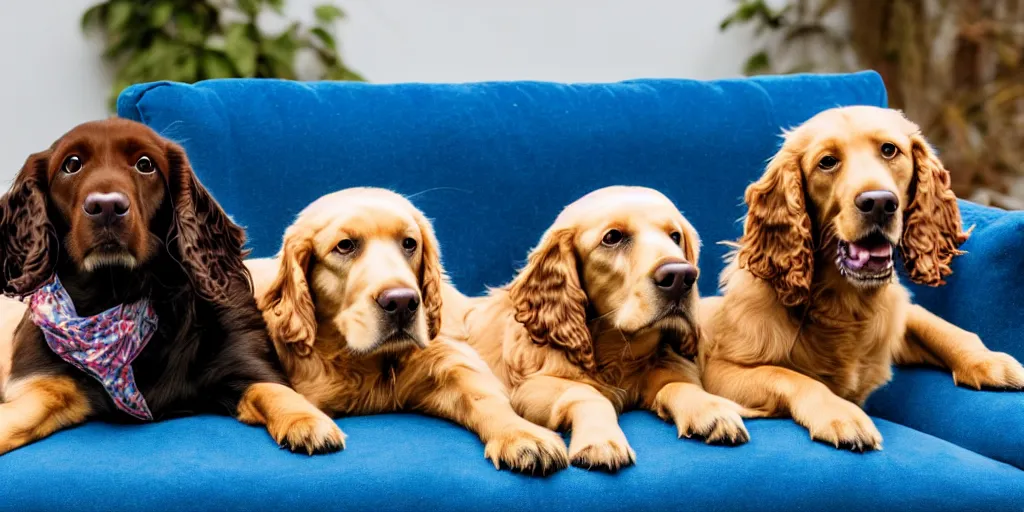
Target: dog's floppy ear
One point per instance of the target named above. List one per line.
(209, 244)
(777, 244)
(27, 240)
(431, 276)
(932, 232)
(549, 300)
(287, 304)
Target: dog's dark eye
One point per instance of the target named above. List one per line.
(828, 162)
(346, 246)
(409, 244)
(612, 237)
(72, 164)
(889, 150)
(145, 165)
(676, 237)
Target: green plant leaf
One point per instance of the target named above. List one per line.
(325, 37)
(161, 14)
(94, 15)
(118, 15)
(757, 63)
(328, 13)
(217, 65)
(188, 28)
(249, 7)
(241, 49)
(276, 5)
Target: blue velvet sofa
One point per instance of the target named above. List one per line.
(492, 164)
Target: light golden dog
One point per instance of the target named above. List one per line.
(603, 319)
(813, 317)
(353, 303)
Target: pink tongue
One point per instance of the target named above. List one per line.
(859, 256)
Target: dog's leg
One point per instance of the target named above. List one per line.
(561, 404)
(448, 379)
(38, 406)
(292, 421)
(775, 390)
(674, 392)
(930, 339)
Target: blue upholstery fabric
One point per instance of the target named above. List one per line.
(493, 164)
(984, 295)
(413, 463)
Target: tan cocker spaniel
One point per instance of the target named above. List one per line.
(601, 320)
(813, 316)
(353, 304)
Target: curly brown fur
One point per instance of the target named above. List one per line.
(812, 316)
(173, 245)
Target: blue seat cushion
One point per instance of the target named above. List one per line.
(416, 463)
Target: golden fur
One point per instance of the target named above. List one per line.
(582, 333)
(11, 312)
(320, 304)
(797, 332)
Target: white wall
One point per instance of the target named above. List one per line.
(55, 79)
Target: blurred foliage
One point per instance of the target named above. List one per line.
(193, 40)
(956, 67)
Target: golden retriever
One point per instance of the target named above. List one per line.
(603, 319)
(353, 303)
(813, 316)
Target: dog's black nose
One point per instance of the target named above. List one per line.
(675, 279)
(879, 205)
(399, 304)
(106, 208)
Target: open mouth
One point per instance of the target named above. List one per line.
(866, 261)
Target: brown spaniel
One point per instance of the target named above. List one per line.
(109, 226)
(813, 316)
(353, 302)
(603, 319)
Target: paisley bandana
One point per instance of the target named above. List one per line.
(102, 346)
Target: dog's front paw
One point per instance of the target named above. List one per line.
(601, 448)
(841, 423)
(989, 369)
(307, 432)
(715, 419)
(528, 448)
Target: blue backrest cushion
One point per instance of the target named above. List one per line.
(491, 163)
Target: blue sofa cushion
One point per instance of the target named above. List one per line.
(415, 463)
(984, 296)
(491, 163)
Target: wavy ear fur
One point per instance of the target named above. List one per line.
(431, 276)
(932, 231)
(287, 304)
(27, 241)
(208, 242)
(550, 302)
(777, 244)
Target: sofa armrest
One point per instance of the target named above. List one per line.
(984, 295)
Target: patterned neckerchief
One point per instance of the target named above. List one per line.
(102, 346)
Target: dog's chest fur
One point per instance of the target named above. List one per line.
(847, 340)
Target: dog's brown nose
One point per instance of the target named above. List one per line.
(400, 304)
(879, 205)
(106, 208)
(675, 279)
